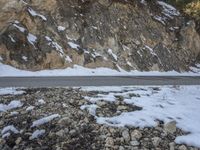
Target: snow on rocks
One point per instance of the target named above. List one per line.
(25, 58)
(168, 104)
(58, 48)
(77, 128)
(73, 45)
(30, 108)
(35, 14)
(6, 131)
(61, 28)
(41, 101)
(45, 120)
(55, 45)
(13, 91)
(32, 39)
(21, 29)
(168, 10)
(11, 38)
(114, 56)
(12, 105)
(36, 134)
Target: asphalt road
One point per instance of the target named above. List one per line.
(96, 81)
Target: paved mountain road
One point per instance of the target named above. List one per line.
(97, 81)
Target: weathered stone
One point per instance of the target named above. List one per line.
(121, 108)
(172, 146)
(136, 134)
(170, 127)
(121, 148)
(156, 141)
(126, 136)
(134, 143)
(182, 147)
(101, 103)
(19, 139)
(109, 142)
(94, 30)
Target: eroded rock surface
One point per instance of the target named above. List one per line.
(140, 35)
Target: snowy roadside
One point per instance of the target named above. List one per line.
(179, 103)
(101, 117)
(8, 71)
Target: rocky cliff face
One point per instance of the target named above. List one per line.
(127, 34)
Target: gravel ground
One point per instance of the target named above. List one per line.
(66, 127)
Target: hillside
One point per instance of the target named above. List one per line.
(130, 35)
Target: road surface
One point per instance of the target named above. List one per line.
(96, 81)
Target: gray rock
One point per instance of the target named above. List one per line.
(136, 134)
(126, 136)
(156, 141)
(109, 142)
(182, 147)
(121, 108)
(170, 127)
(134, 143)
(19, 139)
(101, 103)
(64, 121)
(121, 148)
(172, 146)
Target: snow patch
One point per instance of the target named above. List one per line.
(110, 52)
(11, 91)
(76, 70)
(168, 10)
(41, 101)
(24, 58)
(32, 39)
(6, 131)
(35, 14)
(30, 108)
(21, 29)
(91, 108)
(61, 28)
(12, 105)
(44, 120)
(11, 38)
(167, 103)
(73, 45)
(36, 134)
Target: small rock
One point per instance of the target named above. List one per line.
(156, 141)
(126, 136)
(109, 142)
(64, 121)
(60, 133)
(136, 134)
(72, 132)
(172, 146)
(170, 127)
(134, 143)
(121, 108)
(19, 139)
(182, 147)
(101, 103)
(121, 148)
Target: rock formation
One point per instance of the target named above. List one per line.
(119, 34)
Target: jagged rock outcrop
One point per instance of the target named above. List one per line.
(47, 34)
